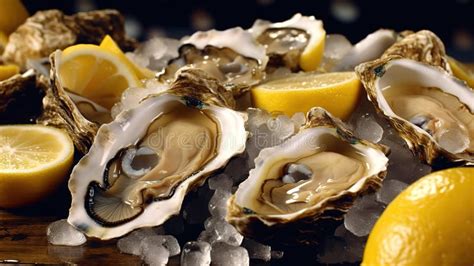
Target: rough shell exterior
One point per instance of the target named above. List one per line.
(310, 226)
(21, 98)
(197, 84)
(425, 47)
(61, 112)
(49, 30)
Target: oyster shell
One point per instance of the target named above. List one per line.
(20, 98)
(431, 110)
(232, 56)
(47, 31)
(286, 41)
(142, 164)
(299, 188)
(423, 46)
(59, 110)
(370, 48)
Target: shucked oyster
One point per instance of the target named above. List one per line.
(47, 31)
(430, 109)
(287, 42)
(231, 56)
(299, 188)
(142, 164)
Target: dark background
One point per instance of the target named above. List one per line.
(452, 20)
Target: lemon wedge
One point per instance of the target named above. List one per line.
(312, 55)
(336, 92)
(110, 45)
(34, 160)
(95, 73)
(461, 71)
(12, 14)
(430, 223)
(7, 71)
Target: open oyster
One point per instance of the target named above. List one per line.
(232, 56)
(142, 164)
(47, 31)
(286, 41)
(431, 110)
(299, 188)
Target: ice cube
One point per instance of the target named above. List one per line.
(167, 241)
(220, 230)
(62, 233)
(298, 119)
(196, 253)
(155, 255)
(390, 189)
(284, 127)
(256, 250)
(368, 128)
(223, 254)
(221, 182)
(362, 216)
(218, 203)
(130, 244)
(454, 140)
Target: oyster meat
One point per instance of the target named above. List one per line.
(47, 31)
(286, 41)
(142, 164)
(232, 56)
(299, 188)
(431, 110)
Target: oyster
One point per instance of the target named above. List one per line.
(286, 41)
(20, 98)
(431, 110)
(47, 31)
(232, 56)
(142, 164)
(77, 115)
(299, 188)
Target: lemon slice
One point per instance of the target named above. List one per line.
(34, 160)
(461, 71)
(7, 71)
(110, 45)
(430, 223)
(95, 73)
(336, 92)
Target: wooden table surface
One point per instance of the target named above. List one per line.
(23, 238)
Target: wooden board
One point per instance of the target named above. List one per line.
(23, 238)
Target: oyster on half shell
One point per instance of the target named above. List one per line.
(286, 41)
(431, 110)
(232, 56)
(299, 188)
(412, 87)
(142, 164)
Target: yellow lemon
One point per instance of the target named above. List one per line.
(311, 56)
(7, 71)
(461, 71)
(109, 44)
(34, 160)
(12, 15)
(430, 223)
(336, 92)
(95, 73)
